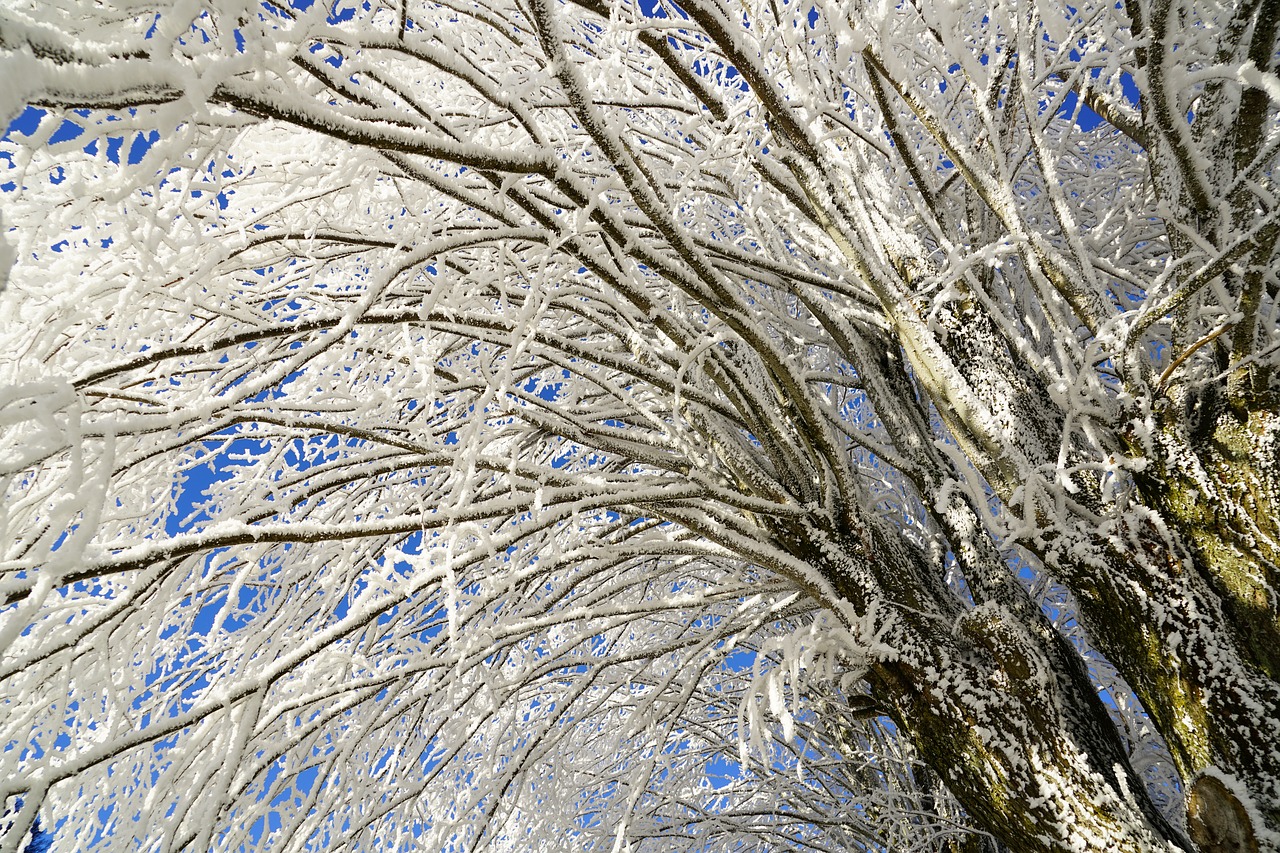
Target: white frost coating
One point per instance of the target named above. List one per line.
(486, 425)
(1251, 75)
(820, 652)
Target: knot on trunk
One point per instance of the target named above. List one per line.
(1216, 819)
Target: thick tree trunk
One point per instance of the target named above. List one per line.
(1219, 681)
(1014, 757)
(997, 703)
(1000, 705)
(1178, 592)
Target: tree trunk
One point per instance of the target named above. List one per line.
(1177, 591)
(997, 703)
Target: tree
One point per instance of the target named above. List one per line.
(470, 425)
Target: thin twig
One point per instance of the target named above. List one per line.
(1168, 371)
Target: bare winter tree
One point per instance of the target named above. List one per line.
(569, 424)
